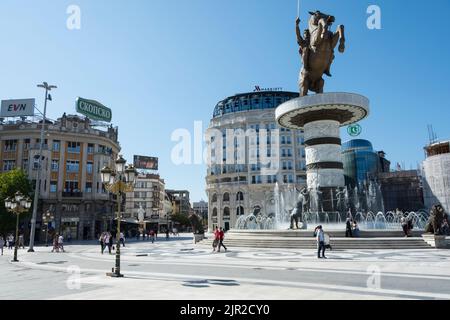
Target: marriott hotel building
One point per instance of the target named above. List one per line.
(239, 188)
(70, 188)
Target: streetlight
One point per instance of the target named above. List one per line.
(118, 181)
(47, 88)
(46, 219)
(17, 205)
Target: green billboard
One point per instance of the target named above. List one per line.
(93, 110)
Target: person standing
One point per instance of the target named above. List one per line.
(2, 244)
(21, 242)
(167, 234)
(10, 242)
(108, 241)
(61, 243)
(404, 226)
(320, 243)
(122, 239)
(348, 229)
(221, 237)
(355, 229)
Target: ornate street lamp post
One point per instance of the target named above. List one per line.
(118, 181)
(17, 205)
(46, 219)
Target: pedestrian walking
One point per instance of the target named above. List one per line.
(152, 235)
(410, 227)
(221, 237)
(102, 241)
(61, 243)
(167, 234)
(320, 243)
(55, 243)
(2, 244)
(216, 239)
(348, 229)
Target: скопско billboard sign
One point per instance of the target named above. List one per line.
(93, 110)
(143, 162)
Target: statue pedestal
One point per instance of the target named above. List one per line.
(321, 116)
(436, 241)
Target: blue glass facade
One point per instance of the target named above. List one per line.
(252, 101)
(360, 161)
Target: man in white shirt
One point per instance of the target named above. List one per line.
(320, 242)
(61, 242)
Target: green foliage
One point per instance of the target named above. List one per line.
(181, 219)
(10, 183)
(196, 223)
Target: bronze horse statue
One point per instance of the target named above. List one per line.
(317, 50)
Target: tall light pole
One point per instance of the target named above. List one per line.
(118, 181)
(47, 88)
(17, 205)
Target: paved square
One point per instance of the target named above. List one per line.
(178, 269)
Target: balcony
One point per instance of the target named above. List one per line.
(72, 194)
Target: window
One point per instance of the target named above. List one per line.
(90, 148)
(71, 186)
(239, 196)
(226, 212)
(73, 147)
(55, 165)
(226, 196)
(25, 164)
(10, 145)
(56, 145)
(253, 179)
(72, 166)
(88, 187)
(89, 167)
(214, 197)
(26, 144)
(9, 165)
(53, 186)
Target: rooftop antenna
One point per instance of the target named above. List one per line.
(431, 134)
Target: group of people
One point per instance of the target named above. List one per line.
(351, 228)
(58, 243)
(106, 240)
(219, 235)
(10, 242)
(149, 235)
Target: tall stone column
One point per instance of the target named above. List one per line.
(321, 116)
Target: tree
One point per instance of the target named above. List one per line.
(196, 224)
(11, 182)
(182, 219)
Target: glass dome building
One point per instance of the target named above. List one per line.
(360, 161)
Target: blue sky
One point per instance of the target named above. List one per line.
(160, 65)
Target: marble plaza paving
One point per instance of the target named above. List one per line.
(178, 269)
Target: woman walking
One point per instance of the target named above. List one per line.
(2, 244)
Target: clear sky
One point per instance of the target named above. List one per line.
(160, 65)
